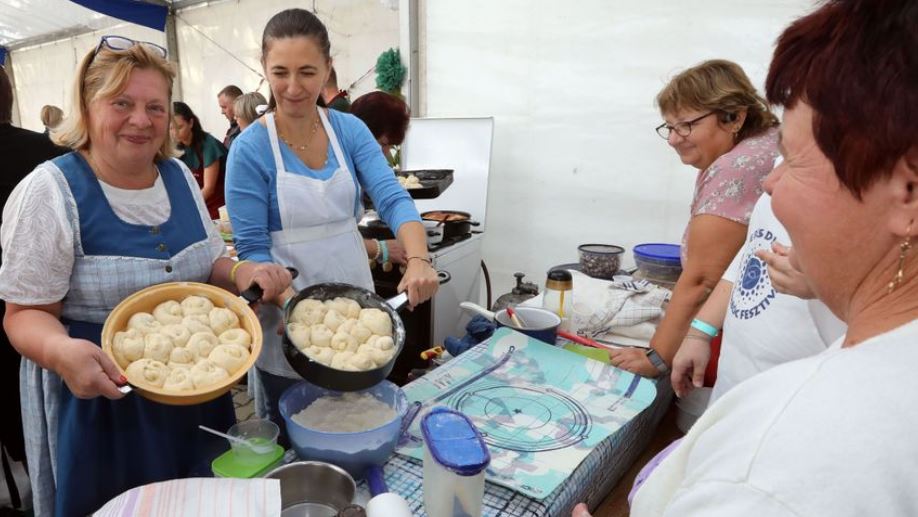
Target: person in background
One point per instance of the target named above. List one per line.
(333, 97)
(387, 117)
(762, 326)
(51, 117)
(830, 434)
(225, 100)
(112, 217)
(294, 184)
(245, 108)
(718, 124)
(204, 155)
(22, 150)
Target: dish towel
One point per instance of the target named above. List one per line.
(619, 308)
(201, 497)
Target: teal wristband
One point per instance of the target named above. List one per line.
(707, 328)
(385, 251)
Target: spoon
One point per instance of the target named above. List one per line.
(259, 449)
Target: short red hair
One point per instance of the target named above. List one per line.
(855, 62)
(385, 115)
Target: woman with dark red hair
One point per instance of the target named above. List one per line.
(387, 117)
(832, 434)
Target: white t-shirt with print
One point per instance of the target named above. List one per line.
(764, 328)
(830, 435)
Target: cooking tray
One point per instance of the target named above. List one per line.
(434, 181)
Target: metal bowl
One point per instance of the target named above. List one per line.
(313, 488)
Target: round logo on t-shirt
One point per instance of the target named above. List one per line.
(753, 292)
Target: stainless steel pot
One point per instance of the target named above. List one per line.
(313, 488)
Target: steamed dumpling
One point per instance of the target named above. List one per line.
(127, 346)
(179, 379)
(323, 355)
(197, 323)
(229, 357)
(299, 334)
(379, 357)
(147, 372)
(308, 311)
(377, 321)
(342, 361)
(202, 343)
(333, 320)
(206, 373)
(157, 347)
(169, 312)
(381, 342)
(144, 322)
(236, 337)
(321, 335)
(361, 332)
(222, 319)
(177, 332)
(362, 362)
(347, 307)
(347, 326)
(182, 356)
(342, 341)
(197, 305)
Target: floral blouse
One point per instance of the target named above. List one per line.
(732, 184)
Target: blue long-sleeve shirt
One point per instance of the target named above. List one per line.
(251, 182)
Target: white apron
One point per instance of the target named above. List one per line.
(319, 237)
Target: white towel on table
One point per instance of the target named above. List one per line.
(622, 307)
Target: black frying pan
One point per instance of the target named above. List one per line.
(326, 376)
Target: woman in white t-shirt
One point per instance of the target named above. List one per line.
(81, 233)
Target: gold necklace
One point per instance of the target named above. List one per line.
(315, 128)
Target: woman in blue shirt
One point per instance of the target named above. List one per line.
(293, 189)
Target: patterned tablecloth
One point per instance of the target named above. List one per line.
(590, 482)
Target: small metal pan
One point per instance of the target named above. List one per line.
(326, 376)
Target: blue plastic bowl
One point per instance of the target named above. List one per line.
(354, 452)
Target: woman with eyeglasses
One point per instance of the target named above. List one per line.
(293, 189)
(86, 230)
(718, 124)
(204, 155)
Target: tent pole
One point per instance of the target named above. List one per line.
(173, 51)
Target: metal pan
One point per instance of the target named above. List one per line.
(326, 376)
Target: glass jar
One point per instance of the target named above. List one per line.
(558, 298)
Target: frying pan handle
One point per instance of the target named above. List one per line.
(398, 301)
(255, 292)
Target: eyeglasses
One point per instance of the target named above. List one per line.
(682, 129)
(122, 43)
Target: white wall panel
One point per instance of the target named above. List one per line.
(571, 87)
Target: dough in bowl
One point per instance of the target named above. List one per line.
(222, 319)
(158, 347)
(177, 332)
(128, 346)
(179, 379)
(235, 337)
(202, 343)
(168, 312)
(147, 372)
(144, 322)
(197, 305)
(205, 373)
(197, 323)
(229, 357)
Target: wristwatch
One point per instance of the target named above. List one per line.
(657, 361)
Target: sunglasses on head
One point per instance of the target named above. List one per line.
(122, 43)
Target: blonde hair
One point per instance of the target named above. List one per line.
(51, 116)
(721, 86)
(103, 75)
(244, 106)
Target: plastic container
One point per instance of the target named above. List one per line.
(455, 458)
(658, 262)
(558, 297)
(260, 436)
(354, 452)
(600, 260)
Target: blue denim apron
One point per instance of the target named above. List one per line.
(99, 448)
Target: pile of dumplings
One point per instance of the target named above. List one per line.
(340, 334)
(183, 346)
(409, 182)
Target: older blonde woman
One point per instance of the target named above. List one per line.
(246, 108)
(718, 124)
(83, 232)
